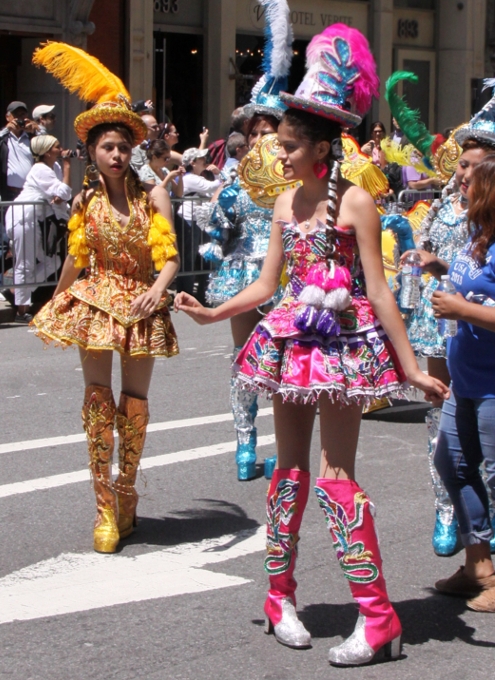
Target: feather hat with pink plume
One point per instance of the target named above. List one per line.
(341, 78)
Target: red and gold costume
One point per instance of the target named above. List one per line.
(94, 312)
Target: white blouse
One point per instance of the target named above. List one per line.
(42, 184)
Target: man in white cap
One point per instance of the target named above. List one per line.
(45, 117)
(16, 158)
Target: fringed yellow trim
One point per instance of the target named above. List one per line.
(162, 241)
(77, 240)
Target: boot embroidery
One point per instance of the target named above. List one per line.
(351, 555)
(281, 544)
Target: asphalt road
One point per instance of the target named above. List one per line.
(183, 597)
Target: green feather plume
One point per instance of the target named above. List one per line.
(409, 120)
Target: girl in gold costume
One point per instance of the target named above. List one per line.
(120, 232)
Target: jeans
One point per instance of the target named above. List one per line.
(467, 437)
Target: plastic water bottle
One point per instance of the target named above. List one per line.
(447, 328)
(411, 279)
(480, 299)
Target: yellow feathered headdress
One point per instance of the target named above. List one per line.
(405, 155)
(85, 76)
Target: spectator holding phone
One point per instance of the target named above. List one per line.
(16, 158)
(373, 148)
(155, 172)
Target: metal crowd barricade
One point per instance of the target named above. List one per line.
(408, 197)
(24, 262)
(24, 246)
(189, 236)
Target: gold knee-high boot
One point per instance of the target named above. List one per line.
(132, 419)
(98, 417)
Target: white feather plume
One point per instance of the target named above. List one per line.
(278, 18)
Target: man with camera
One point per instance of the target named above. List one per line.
(16, 158)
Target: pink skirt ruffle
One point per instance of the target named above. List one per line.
(349, 368)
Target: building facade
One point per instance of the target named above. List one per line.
(198, 59)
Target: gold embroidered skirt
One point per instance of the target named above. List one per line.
(67, 320)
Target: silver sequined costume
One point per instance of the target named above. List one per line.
(242, 230)
(447, 235)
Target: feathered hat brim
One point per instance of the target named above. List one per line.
(259, 110)
(477, 133)
(330, 111)
(110, 112)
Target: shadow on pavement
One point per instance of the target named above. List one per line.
(436, 617)
(401, 412)
(216, 518)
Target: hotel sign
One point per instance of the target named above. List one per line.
(307, 17)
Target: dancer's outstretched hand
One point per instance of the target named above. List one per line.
(187, 303)
(433, 388)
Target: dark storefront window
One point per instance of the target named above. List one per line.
(417, 95)
(178, 84)
(10, 59)
(416, 4)
(249, 55)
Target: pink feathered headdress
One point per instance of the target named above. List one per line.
(341, 77)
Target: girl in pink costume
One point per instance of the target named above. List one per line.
(336, 340)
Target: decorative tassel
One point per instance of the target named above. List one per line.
(77, 240)
(327, 324)
(306, 319)
(162, 241)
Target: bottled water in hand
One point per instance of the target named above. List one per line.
(447, 328)
(411, 279)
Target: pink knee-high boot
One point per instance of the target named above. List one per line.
(348, 515)
(286, 500)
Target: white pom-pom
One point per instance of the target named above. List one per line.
(338, 299)
(312, 295)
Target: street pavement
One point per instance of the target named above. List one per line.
(183, 597)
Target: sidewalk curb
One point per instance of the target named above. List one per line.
(7, 313)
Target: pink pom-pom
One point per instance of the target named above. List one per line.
(367, 84)
(317, 276)
(341, 279)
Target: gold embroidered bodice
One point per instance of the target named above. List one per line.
(120, 264)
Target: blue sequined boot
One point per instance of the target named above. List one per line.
(444, 539)
(245, 457)
(270, 466)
